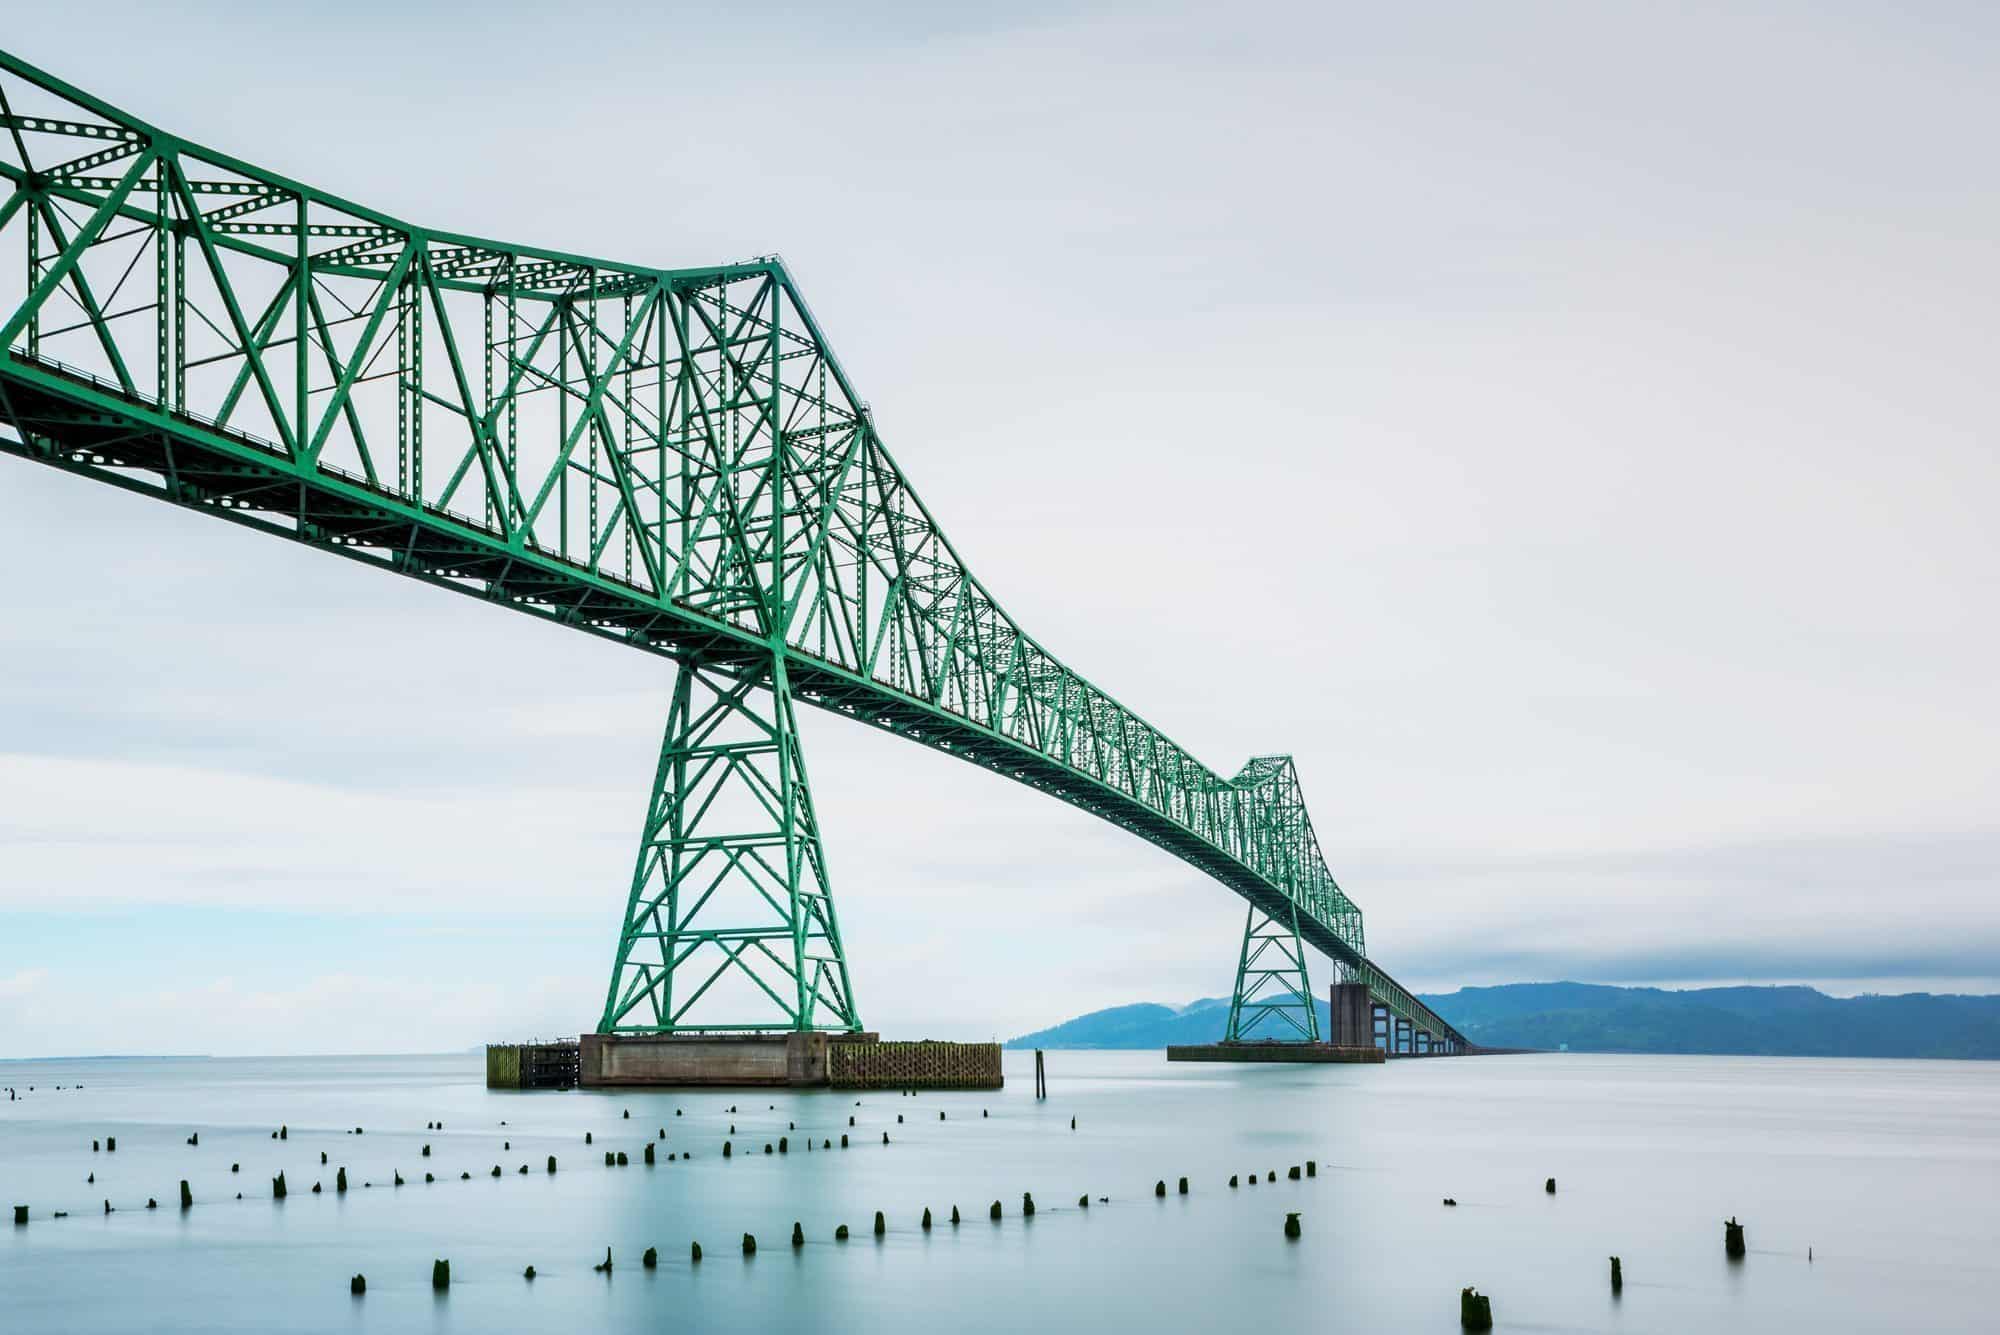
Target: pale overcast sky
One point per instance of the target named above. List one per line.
(1568, 429)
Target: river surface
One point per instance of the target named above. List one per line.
(1888, 1171)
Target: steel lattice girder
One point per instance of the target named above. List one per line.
(671, 458)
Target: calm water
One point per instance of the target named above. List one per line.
(1887, 1170)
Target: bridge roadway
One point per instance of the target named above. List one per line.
(696, 479)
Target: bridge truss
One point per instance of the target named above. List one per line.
(669, 458)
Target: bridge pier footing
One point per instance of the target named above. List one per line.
(1352, 1024)
(1273, 1050)
(798, 1059)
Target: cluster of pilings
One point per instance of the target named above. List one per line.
(1291, 1229)
(1476, 1308)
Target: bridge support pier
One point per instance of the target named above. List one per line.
(1271, 982)
(730, 902)
(1353, 1018)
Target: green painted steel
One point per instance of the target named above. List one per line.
(669, 458)
(731, 882)
(1273, 997)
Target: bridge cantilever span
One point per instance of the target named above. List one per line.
(669, 458)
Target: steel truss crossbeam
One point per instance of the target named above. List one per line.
(671, 458)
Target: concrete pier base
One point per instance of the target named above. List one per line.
(1353, 1015)
(789, 1059)
(1273, 1052)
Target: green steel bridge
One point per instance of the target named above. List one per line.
(669, 458)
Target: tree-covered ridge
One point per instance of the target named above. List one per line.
(1588, 1017)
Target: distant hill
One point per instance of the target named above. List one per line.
(1144, 1025)
(1747, 1021)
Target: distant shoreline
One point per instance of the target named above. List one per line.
(1623, 1021)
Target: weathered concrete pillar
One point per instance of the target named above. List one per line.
(1351, 1021)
